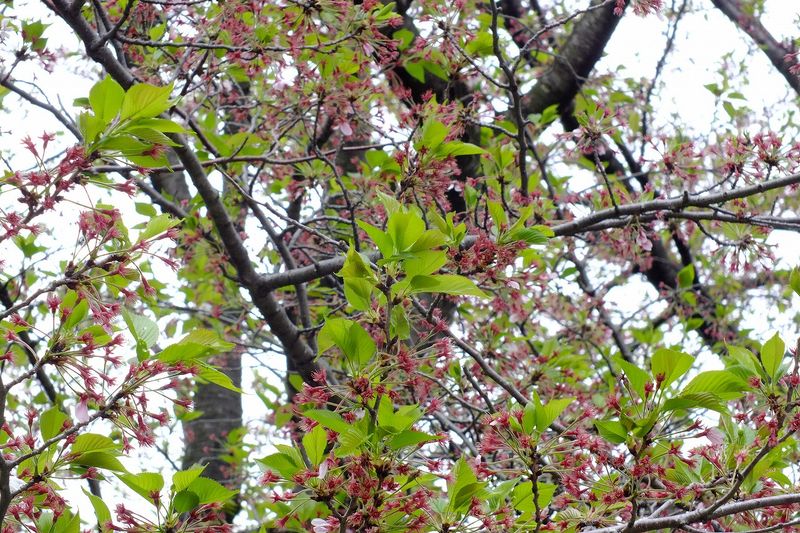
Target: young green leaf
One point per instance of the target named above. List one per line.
(104, 460)
(282, 463)
(446, 284)
(433, 134)
(404, 228)
(145, 484)
(183, 478)
(210, 491)
(354, 341)
(670, 365)
(92, 442)
(105, 97)
(637, 377)
(143, 330)
(722, 383)
(686, 277)
(612, 430)
(51, 422)
(156, 226)
(358, 292)
(101, 511)
(465, 485)
(314, 443)
(145, 101)
(209, 374)
(772, 353)
(328, 419)
(546, 414)
(410, 437)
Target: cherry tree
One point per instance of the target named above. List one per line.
(412, 266)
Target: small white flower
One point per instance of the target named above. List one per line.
(345, 128)
(82, 411)
(322, 525)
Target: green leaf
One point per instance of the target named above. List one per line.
(51, 422)
(358, 292)
(101, 511)
(429, 239)
(210, 491)
(722, 383)
(183, 478)
(375, 158)
(446, 284)
(703, 400)
(281, 463)
(354, 341)
(105, 97)
(404, 37)
(745, 358)
(794, 280)
(416, 70)
(399, 323)
(156, 226)
(404, 228)
(328, 419)
(410, 437)
(397, 420)
(458, 148)
(436, 70)
(772, 353)
(92, 442)
(636, 376)
(149, 136)
(90, 126)
(424, 262)
(146, 208)
(103, 460)
(612, 430)
(145, 484)
(433, 134)
(149, 161)
(482, 43)
(127, 145)
(670, 364)
(530, 235)
(546, 491)
(546, 414)
(209, 374)
(314, 443)
(185, 501)
(143, 330)
(686, 277)
(356, 266)
(67, 523)
(729, 109)
(161, 124)
(714, 89)
(350, 441)
(529, 414)
(79, 312)
(498, 214)
(145, 101)
(198, 343)
(465, 485)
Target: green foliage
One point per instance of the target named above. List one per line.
(126, 124)
(350, 337)
(465, 368)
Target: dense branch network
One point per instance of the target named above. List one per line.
(398, 194)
